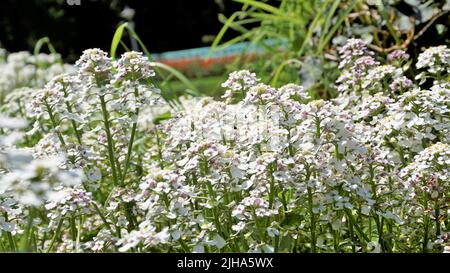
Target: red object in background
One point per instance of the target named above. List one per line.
(187, 64)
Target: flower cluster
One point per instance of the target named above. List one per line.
(88, 169)
(435, 60)
(22, 69)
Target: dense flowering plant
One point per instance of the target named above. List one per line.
(89, 167)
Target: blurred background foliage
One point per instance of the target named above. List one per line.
(309, 33)
(162, 25)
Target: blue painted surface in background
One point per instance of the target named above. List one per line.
(207, 52)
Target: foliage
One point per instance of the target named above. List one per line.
(308, 33)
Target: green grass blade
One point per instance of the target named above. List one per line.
(117, 38)
(336, 27)
(280, 68)
(41, 42)
(389, 25)
(328, 20)
(237, 39)
(141, 44)
(261, 5)
(224, 29)
(277, 18)
(312, 27)
(179, 76)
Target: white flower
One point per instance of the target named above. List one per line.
(217, 241)
(239, 227)
(12, 123)
(241, 80)
(199, 248)
(435, 59)
(6, 226)
(447, 249)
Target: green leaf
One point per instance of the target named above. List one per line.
(179, 76)
(261, 5)
(328, 20)
(312, 27)
(277, 18)
(285, 244)
(224, 29)
(335, 27)
(292, 219)
(117, 39)
(40, 43)
(163, 116)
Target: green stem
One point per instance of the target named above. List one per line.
(73, 231)
(80, 224)
(2, 247)
(335, 238)
(74, 124)
(131, 142)
(56, 235)
(105, 222)
(426, 224)
(272, 188)
(374, 215)
(54, 124)
(110, 140)
(437, 224)
(313, 221)
(388, 22)
(214, 209)
(130, 149)
(357, 227)
(318, 131)
(26, 246)
(11, 241)
(352, 236)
